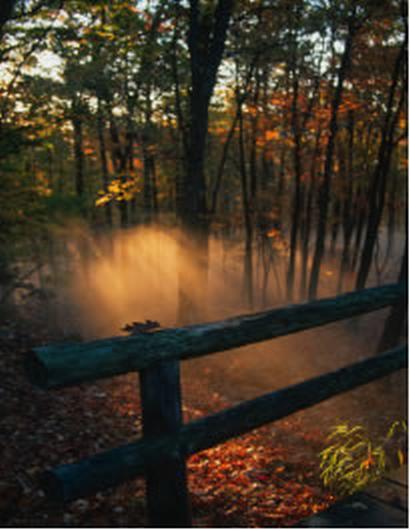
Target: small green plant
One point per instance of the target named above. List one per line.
(353, 460)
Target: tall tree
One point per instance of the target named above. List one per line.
(207, 32)
(297, 150)
(379, 180)
(206, 43)
(353, 25)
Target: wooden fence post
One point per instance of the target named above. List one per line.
(166, 481)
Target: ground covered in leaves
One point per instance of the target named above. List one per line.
(268, 478)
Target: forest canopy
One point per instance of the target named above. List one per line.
(279, 120)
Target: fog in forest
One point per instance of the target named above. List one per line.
(104, 282)
(133, 275)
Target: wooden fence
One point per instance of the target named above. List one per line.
(161, 453)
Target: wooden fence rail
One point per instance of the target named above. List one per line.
(69, 364)
(160, 455)
(72, 481)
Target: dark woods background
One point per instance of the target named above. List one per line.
(281, 126)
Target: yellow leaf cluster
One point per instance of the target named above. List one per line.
(119, 189)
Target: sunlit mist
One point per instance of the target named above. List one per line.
(136, 275)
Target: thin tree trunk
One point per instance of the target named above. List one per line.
(378, 188)
(361, 200)
(78, 155)
(361, 208)
(297, 189)
(308, 213)
(120, 164)
(148, 203)
(324, 193)
(221, 165)
(154, 185)
(240, 99)
(281, 183)
(391, 222)
(104, 161)
(247, 215)
(335, 225)
(182, 147)
(253, 171)
(347, 205)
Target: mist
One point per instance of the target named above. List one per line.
(135, 275)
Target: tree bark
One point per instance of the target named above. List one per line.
(347, 213)
(378, 187)
(103, 160)
(335, 225)
(391, 222)
(296, 211)
(78, 154)
(119, 159)
(306, 232)
(397, 319)
(247, 214)
(324, 192)
(206, 44)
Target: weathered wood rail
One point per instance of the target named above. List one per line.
(160, 455)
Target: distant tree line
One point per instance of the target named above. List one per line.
(283, 121)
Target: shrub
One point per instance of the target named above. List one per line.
(353, 460)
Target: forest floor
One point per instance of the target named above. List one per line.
(268, 478)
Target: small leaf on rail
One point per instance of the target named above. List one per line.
(135, 328)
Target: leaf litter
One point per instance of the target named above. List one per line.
(267, 478)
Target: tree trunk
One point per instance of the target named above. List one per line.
(308, 214)
(148, 155)
(297, 189)
(104, 161)
(324, 192)
(240, 99)
(182, 148)
(206, 44)
(360, 222)
(347, 213)
(391, 222)
(361, 196)
(221, 165)
(119, 160)
(281, 183)
(253, 170)
(247, 215)
(335, 226)
(396, 321)
(78, 155)
(378, 187)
